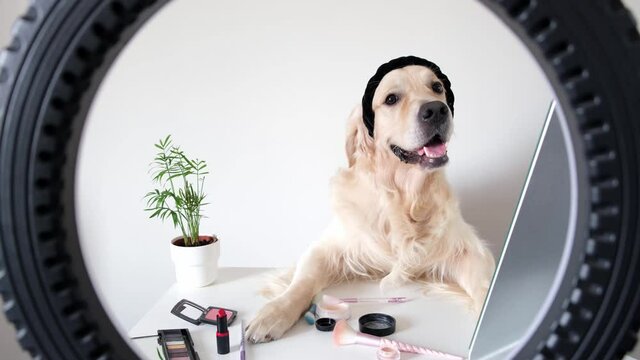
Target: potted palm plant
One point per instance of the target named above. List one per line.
(180, 198)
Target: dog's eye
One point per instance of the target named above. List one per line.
(437, 88)
(391, 99)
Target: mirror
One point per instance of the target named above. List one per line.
(396, 219)
(535, 250)
(269, 118)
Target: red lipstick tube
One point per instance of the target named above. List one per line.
(222, 335)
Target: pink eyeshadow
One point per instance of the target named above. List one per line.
(212, 314)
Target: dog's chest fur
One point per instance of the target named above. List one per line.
(394, 221)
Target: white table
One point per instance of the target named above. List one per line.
(433, 321)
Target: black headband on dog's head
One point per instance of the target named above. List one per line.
(367, 106)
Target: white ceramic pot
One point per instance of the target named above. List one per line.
(196, 266)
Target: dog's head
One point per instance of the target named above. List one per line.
(407, 110)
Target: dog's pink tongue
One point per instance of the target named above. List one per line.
(435, 151)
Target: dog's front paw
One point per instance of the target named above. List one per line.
(271, 322)
(390, 282)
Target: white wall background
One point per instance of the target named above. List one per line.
(261, 90)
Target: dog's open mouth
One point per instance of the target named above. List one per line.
(434, 149)
(433, 154)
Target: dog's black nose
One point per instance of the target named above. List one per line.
(434, 112)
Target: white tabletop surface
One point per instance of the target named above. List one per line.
(436, 322)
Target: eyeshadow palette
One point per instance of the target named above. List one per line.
(196, 314)
(177, 344)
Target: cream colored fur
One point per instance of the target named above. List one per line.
(393, 221)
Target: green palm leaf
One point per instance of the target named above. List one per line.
(177, 198)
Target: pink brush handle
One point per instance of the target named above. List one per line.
(419, 350)
(370, 340)
(391, 300)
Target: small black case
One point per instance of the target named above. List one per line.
(377, 324)
(325, 324)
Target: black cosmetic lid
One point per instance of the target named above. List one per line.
(325, 324)
(377, 324)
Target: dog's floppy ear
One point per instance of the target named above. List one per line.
(358, 143)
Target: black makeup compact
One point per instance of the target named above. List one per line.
(377, 324)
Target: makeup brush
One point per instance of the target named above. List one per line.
(242, 353)
(328, 299)
(343, 334)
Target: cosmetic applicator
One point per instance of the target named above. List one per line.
(242, 352)
(343, 334)
(328, 299)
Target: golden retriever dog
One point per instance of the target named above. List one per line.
(396, 217)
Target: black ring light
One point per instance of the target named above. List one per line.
(589, 50)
